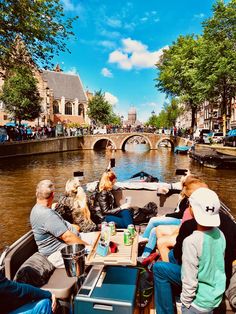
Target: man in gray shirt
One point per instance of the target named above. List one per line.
(51, 231)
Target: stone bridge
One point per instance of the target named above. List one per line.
(118, 140)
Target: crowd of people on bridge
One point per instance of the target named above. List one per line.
(191, 251)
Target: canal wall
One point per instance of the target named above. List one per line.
(44, 146)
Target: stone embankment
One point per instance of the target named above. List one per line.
(45, 146)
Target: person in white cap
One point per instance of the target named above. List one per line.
(203, 273)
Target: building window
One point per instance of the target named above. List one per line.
(55, 107)
(68, 108)
(81, 110)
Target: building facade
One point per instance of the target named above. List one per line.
(63, 99)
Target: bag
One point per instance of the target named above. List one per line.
(145, 287)
(143, 215)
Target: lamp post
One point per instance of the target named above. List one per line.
(47, 105)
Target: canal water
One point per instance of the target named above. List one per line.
(19, 177)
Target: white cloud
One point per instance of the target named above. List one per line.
(115, 23)
(72, 71)
(107, 44)
(199, 16)
(135, 55)
(106, 72)
(108, 34)
(113, 100)
(69, 6)
(144, 19)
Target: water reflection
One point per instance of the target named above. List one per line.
(19, 177)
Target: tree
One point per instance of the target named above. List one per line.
(177, 73)
(20, 94)
(115, 120)
(217, 57)
(39, 24)
(172, 112)
(99, 109)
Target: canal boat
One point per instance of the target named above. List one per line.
(66, 288)
(182, 149)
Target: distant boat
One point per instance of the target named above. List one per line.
(182, 149)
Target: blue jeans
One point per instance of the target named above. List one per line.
(122, 219)
(165, 275)
(192, 310)
(152, 241)
(38, 307)
(160, 221)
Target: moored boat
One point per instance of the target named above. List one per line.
(60, 284)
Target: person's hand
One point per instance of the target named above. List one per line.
(54, 303)
(125, 206)
(76, 227)
(162, 190)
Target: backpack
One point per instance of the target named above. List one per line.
(145, 287)
(143, 215)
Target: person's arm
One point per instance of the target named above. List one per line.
(70, 238)
(189, 271)
(106, 201)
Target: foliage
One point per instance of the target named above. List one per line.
(99, 109)
(217, 56)
(115, 120)
(168, 115)
(177, 72)
(20, 94)
(39, 24)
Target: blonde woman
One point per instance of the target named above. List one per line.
(73, 206)
(105, 206)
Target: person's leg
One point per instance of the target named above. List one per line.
(164, 244)
(152, 241)
(157, 221)
(117, 220)
(38, 307)
(127, 217)
(171, 257)
(165, 274)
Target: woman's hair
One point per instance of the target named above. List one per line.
(80, 201)
(107, 181)
(44, 189)
(192, 183)
(72, 186)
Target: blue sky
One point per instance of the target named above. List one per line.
(118, 42)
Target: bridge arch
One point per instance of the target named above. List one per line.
(124, 140)
(104, 141)
(165, 139)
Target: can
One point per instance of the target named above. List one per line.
(112, 227)
(127, 238)
(104, 224)
(131, 230)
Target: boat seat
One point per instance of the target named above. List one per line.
(59, 283)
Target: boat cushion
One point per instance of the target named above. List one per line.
(36, 270)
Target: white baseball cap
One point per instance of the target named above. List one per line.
(205, 205)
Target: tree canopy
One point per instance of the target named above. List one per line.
(20, 94)
(39, 24)
(217, 56)
(177, 72)
(99, 109)
(167, 117)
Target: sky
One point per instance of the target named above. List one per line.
(118, 43)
